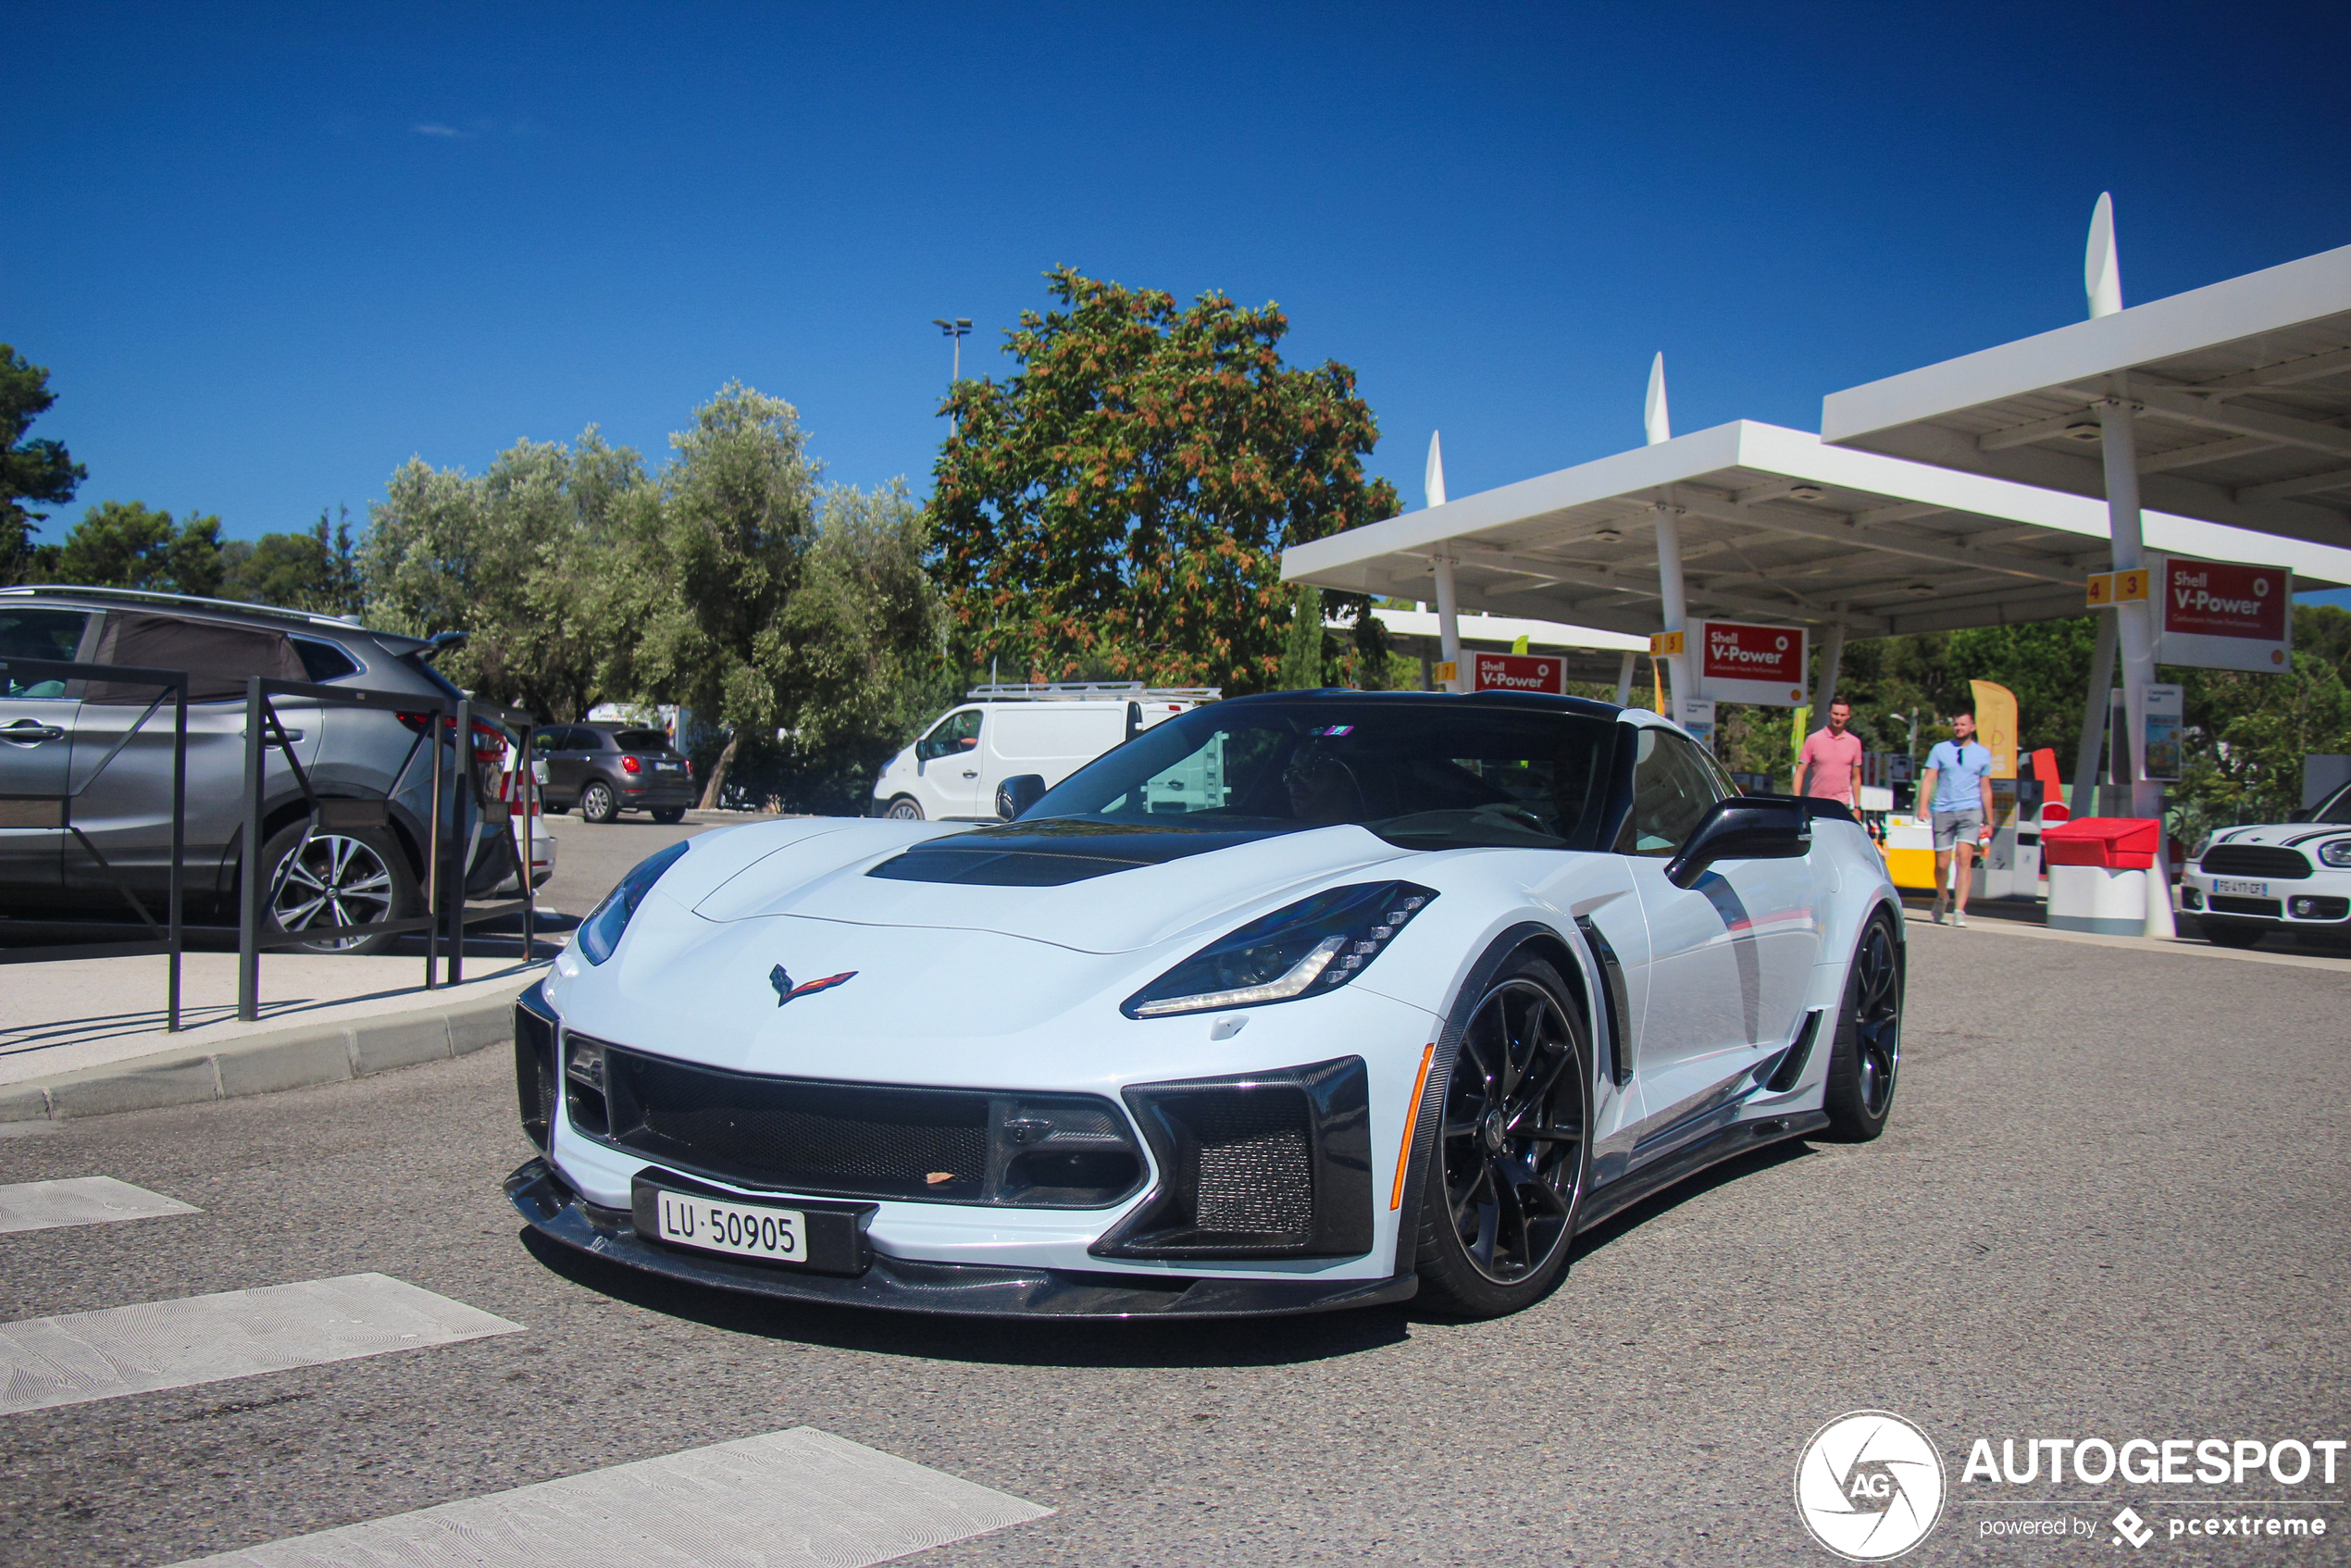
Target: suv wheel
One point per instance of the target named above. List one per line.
(904, 808)
(327, 880)
(597, 803)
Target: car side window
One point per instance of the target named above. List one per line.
(1673, 786)
(956, 733)
(323, 661)
(27, 633)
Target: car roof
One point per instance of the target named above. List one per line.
(108, 598)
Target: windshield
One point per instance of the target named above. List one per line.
(1429, 775)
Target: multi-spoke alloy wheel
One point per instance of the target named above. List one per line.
(1511, 1146)
(326, 882)
(1868, 1051)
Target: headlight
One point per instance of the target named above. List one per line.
(1316, 945)
(600, 933)
(2337, 853)
(2201, 845)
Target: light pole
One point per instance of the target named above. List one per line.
(958, 329)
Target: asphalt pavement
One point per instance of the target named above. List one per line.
(2110, 1203)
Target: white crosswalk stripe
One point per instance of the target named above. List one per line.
(47, 1361)
(45, 1205)
(781, 1500)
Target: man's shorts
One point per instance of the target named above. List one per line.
(1955, 828)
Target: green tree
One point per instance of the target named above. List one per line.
(2244, 735)
(316, 570)
(531, 558)
(1303, 643)
(1122, 502)
(30, 470)
(735, 528)
(130, 544)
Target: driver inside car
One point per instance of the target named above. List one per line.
(1322, 787)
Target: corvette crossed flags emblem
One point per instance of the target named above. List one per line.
(785, 991)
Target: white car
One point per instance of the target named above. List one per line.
(2244, 883)
(1424, 985)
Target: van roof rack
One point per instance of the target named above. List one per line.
(1095, 690)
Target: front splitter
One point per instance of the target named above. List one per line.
(902, 1285)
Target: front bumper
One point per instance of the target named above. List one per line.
(557, 1212)
(2321, 901)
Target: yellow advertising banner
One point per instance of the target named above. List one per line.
(1996, 726)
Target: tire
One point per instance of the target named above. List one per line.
(1865, 1057)
(2232, 934)
(353, 876)
(666, 815)
(552, 810)
(599, 802)
(1506, 1177)
(904, 808)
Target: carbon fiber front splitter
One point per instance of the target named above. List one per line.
(968, 1289)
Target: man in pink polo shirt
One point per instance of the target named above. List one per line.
(1829, 765)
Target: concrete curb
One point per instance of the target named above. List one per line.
(295, 1058)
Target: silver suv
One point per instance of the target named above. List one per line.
(56, 737)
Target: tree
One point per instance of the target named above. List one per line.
(1121, 503)
(738, 514)
(30, 470)
(130, 544)
(318, 570)
(531, 558)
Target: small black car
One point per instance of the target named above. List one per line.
(605, 770)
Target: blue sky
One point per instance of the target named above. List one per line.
(268, 253)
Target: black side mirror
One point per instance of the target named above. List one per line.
(1016, 794)
(1743, 827)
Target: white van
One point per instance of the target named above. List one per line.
(952, 773)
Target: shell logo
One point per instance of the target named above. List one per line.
(1780, 644)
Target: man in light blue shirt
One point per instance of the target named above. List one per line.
(1957, 790)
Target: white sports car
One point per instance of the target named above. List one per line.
(2244, 883)
(1298, 1002)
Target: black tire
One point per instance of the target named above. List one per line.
(2230, 934)
(904, 808)
(554, 810)
(599, 802)
(350, 877)
(1865, 1057)
(1513, 1155)
(666, 815)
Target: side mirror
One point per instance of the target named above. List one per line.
(1016, 794)
(1743, 827)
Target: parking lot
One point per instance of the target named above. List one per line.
(2110, 1203)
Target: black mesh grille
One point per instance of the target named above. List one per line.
(2269, 907)
(1256, 1163)
(534, 1073)
(869, 1140)
(2254, 860)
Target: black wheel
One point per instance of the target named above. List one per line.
(1499, 1207)
(554, 810)
(904, 808)
(669, 813)
(598, 803)
(2232, 935)
(347, 878)
(1867, 1052)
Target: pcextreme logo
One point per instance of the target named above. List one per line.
(1868, 1485)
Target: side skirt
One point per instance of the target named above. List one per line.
(1734, 1140)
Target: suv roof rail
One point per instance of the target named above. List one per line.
(154, 596)
(1081, 691)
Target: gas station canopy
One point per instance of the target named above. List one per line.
(1774, 526)
(2240, 393)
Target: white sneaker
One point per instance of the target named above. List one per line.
(1937, 916)
(1958, 918)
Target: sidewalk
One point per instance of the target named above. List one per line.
(2017, 918)
(85, 1038)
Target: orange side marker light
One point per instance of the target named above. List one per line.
(1411, 1120)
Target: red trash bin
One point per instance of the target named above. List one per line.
(2098, 869)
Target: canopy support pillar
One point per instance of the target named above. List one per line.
(2119, 447)
(1831, 655)
(1625, 678)
(2093, 711)
(1449, 615)
(1675, 595)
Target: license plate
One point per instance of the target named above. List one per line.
(745, 1230)
(667, 767)
(2228, 887)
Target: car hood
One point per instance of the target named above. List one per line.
(1088, 887)
(2304, 836)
